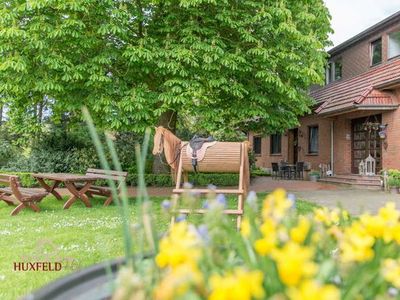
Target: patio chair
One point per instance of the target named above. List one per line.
(276, 171)
(14, 194)
(300, 170)
(116, 176)
(284, 169)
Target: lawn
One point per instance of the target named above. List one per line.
(78, 237)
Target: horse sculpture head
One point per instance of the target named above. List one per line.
(158, 140)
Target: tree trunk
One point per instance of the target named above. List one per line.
(1, 114)
(167, 120)
(40, 112)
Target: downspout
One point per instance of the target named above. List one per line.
(332, 169)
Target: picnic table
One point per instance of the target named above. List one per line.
(78, 192)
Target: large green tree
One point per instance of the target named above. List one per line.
(228, 63)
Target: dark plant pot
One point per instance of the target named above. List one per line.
(313, 178)
(92, 283)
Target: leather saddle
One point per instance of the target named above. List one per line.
(196, 150)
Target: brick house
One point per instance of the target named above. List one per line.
(360, 97)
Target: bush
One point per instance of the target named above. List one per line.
(394, 182)
(200, 179)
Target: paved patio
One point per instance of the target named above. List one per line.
(355, 200)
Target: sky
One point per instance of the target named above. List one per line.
(350, 17)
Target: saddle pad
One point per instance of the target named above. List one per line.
(201, 152)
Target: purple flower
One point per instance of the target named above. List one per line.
(206, 205)
(187, 185)
(166, 204)
(211, 187)
(292, 199)
(180, 218)
(252, 200)
(221, 200)
(202, 231)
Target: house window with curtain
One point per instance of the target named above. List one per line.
(376, 52)
(275, 143)
(313, 140)
(394, 44)
(257, 145)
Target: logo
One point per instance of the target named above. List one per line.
(45, 257)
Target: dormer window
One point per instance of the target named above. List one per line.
(333, 71)
(394, 44)
(376, 52)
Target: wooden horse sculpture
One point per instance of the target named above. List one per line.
(218, 157)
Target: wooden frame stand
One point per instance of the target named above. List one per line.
(241, 191)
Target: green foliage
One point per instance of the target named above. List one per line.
(394, 182)
(228, 64)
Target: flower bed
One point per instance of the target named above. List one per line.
(277, 254)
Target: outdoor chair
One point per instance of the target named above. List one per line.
(14, 194)
(276, 172)
(300, 170)
(284, 169)
(116, 176)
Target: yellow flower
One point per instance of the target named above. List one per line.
(391, 271)
(268, 242)
(241, 285)
(179, 246)
(356, 244)
(299, 233)
(276, 205)
(389, 213)
(245, 228)
(374, 225)
(294, 263)
(177, 282)
(326, 216)
(265, 245)
(311, 290)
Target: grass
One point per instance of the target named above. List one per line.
(78, 237)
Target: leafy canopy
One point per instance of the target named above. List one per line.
(229, 64)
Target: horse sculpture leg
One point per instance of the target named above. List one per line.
(185, 176)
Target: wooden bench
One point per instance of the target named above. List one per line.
(118, 177)
(14, 194)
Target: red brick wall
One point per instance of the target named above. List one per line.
(391, 155)
(265, 159)
(356, 59)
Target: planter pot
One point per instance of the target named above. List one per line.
(92, 283)
(313, 178)
(394, 190)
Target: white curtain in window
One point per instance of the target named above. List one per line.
(313, 139)
(394, 44)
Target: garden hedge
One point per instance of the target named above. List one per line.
(160, 180)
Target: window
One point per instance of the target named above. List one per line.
(275, 143)
(257, 145)
(338, 70)
(333, 71)
(394, 44)
(313, 139)
(376, 52)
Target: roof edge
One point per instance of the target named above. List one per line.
(363, 34)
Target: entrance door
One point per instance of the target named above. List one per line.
(366, 141)
(293, 146)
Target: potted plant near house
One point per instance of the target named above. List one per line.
(313, 175)
(394, 184)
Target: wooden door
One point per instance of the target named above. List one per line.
(365, 142)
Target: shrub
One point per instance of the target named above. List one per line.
(200, 179)
(394, 182)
